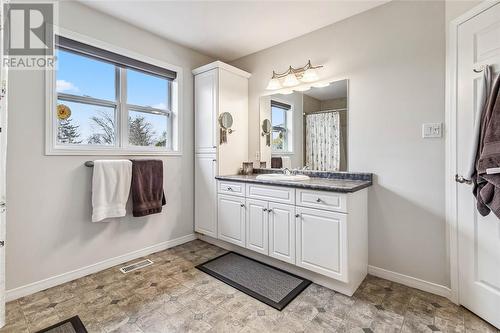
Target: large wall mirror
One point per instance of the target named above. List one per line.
(306, 130)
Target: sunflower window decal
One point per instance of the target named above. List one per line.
(63, 112)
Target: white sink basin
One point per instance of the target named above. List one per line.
(279, 176)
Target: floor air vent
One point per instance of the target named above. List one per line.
(137, 265)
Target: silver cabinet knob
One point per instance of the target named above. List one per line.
(242, 205)
(318, 200)
(264, 209)
(229, 189)
(297, 215)
(270, 210)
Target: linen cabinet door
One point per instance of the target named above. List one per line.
(205, 215)
(282, 232)
(257, 226)
(206, 99)
(231, 218)
(322, 242)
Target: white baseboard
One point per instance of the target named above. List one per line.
(410, 281)
(53, 281)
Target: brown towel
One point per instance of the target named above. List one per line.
(147, 187)
(487, 187)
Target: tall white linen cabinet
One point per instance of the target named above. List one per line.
(218, 88)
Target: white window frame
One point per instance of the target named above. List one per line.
(288, 142)
(52, 147)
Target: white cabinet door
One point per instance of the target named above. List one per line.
(231, 217)
(322, 242)
(282, 232)
(257, 226)
(205, 218)
(206, 92)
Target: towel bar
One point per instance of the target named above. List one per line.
(89, 164)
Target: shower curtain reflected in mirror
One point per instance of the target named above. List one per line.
(323, 141)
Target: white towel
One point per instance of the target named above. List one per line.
(110, 188)
(484, 91)
(286, 161)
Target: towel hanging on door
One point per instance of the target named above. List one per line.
(487, 186)
(484, 93)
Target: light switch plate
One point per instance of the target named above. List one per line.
(432, 130)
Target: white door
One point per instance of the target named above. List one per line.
(3, 158)
(205, 218)
(282, 232)
(206, 92)
(257, 226)
(322, 242)
(478, 237)
(231, 215)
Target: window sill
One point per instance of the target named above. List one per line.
(109, 152)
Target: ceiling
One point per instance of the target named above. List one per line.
(228, 30)
(337, 89)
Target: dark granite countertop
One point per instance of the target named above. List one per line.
(344, 185)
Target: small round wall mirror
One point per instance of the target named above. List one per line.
(266, 126)
(226, 120)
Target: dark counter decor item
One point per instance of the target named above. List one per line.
(247, 168)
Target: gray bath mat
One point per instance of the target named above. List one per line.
(265, 283)
(71, 325)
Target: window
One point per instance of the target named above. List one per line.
(108, 102)
(280, 130)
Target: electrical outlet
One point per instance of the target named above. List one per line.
(432, 130)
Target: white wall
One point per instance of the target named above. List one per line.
(48, 222)
(394, 57)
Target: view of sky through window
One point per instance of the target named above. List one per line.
(84, 76)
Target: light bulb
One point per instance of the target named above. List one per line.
(302, 88)
(290, 80)
(310, 75)
(273, 84)
(321, 84)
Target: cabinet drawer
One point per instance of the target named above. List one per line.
(323, 200)
(271, 193)
(233, 188)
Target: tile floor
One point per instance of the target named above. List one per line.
(173, 296)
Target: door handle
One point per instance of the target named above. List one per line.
(460, 179)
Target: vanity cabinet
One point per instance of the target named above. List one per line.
(322, 242)
(282, 232)
(231, 221)
(218, 88)
(257, 226)
(321, 231)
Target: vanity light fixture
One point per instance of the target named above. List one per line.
(293, 76)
